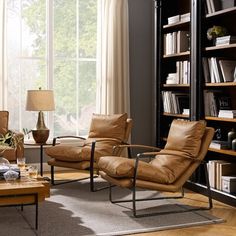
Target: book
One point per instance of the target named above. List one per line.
(215, 5)
(209, 7)
(173, 19)
(227, 114)
(227, 3)
(218, 144)
(225, 40)
(185, 17)
(182, 41)
(227, 69)
(206, 71)
(225, 169)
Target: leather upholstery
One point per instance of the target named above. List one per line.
(107, 130)
(108, 126)
(11, 154)
(4, 122)
(185, 136)
(170, 167)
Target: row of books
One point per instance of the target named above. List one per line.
(179, 18)
(217, 169)
(216, 5)
(214, 101)
(219, 70)
(182, 75)
(175, 102)
(176, 42)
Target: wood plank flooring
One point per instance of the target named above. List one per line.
(228, 213)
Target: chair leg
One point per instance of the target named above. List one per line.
(52, 175)
(91, 170)
(208, 187)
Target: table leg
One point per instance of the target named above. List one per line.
(41, 160)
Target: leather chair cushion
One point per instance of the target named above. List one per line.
(186, 136)
(164, 170)
(108, 126)
(65, 153)
(3, 122)
(74, 154)
(120, 167)
(116, 166)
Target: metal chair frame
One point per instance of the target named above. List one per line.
(134, 199)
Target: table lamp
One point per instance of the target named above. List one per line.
(40, 100)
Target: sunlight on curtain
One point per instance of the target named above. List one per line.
(113, 95)
(2, 52)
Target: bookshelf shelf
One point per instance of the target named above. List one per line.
(221, 47)
(178, 25)
(212, 118)
(226, 84)
(222, 151)
(181, 54)
(228, 11)
(175, 115)
(176, 85)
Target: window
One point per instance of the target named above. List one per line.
(52, 44)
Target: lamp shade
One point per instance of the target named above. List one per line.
(40, 100)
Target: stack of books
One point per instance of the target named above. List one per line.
(218, 144)
(179, 18)
(217, 169)
(227, 114)
(225, 40)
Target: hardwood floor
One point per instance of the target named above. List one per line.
(228, 213)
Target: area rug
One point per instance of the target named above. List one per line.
(73, 210)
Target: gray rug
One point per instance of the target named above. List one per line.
(73, 210)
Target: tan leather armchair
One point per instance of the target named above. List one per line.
(106, 131)
(12, 153)
(186, 147)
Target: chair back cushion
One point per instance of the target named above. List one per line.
(108, 126)
(4, 122)
(186, 136)
(184, 140)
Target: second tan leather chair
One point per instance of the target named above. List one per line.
(186, 147)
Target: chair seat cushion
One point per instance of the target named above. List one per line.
(104, 146)
(121, 167)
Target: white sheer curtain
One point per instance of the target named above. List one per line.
(113, 90)
(2, 53)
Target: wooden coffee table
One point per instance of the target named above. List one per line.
(24, 192)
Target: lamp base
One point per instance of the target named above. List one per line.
(40, 135)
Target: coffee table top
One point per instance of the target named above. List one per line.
(21, 191)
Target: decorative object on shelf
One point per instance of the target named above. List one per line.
(216, 31)
(40, 100)
(234, 144)
(231, 137)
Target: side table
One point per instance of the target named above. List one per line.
(41, 145)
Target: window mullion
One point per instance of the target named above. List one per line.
(49, 56)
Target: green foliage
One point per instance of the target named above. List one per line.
(74, 44)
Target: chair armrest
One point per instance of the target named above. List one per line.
(66, 136)
(145, 154)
